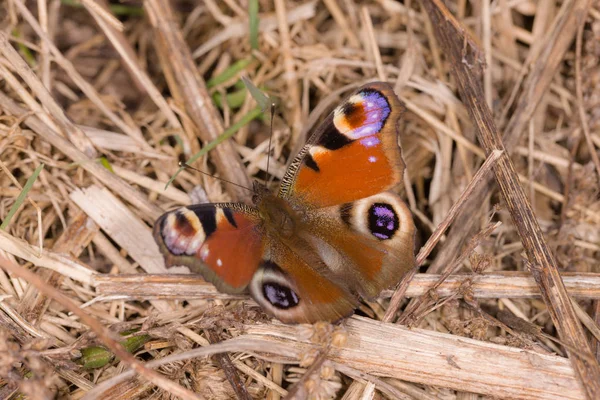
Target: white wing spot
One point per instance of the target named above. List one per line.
(204, 252)
(372, 159)
(219, 262)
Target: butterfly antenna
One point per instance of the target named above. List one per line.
(181, 164)
(270, 139)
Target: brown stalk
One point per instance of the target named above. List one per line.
(491, 285)
(69, 68)
(534, 88)
(78, 235)
(70, 130)
(422, 301)
(119, 186)
(188, 87)
(314, 369)
(290, 69)
(103, 333)
(435, 237)
(230, 370)
(467, 71)
(436, 359)
(579, 89)
(128, 59)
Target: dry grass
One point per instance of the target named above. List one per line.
(109, 99)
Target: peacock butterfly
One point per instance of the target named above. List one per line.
(333, 232)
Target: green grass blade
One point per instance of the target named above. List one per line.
(25, 52)
(21, 197)
(234, 100)
(253, 17)
(229, 73)
(106, 164)
(229, 132)
(264, 102)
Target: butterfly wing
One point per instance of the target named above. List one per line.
(223, 242)
(352, 155)
(369, 241)
(337, 254)
(296, 287)
(226, 243)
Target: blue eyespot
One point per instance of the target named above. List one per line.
(280, 296)
(383, 221)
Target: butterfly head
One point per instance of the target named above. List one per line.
(260, 192)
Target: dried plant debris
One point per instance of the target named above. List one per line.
(100, 102)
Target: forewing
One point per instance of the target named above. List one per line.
(223, 242)
(352, 155)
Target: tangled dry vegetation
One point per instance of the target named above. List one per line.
(98, 104)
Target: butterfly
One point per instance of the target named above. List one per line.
(332, 233)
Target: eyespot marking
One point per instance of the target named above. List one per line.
(354, 114)
(182, 232)
(362, 115)
(183, 225)
(383, 221)
(280, 296)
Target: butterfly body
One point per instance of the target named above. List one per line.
(331, 234)
(279, 218)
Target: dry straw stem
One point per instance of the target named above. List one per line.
(489, 285)
(541, 73)
(56, 113)
(442, 360)
(189, 88)
(65, 264)
(230, 371)
(124, 227)
(466, 68)
(267, 24)
(119, 186)
(128, 57)
(433, 240)
(65, 64)
(410, 311)
(579, 89)
(379, 349)
(73, 241)
(105, 335)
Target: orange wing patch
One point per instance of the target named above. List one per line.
(344, 175)
(233, 252)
